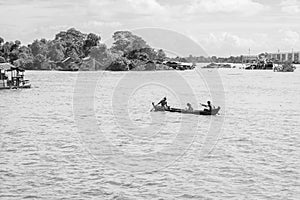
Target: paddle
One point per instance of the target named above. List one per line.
(158, 102)
(153, 107)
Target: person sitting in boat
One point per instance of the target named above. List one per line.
(163, 103)
(189, 107)
(208, 106)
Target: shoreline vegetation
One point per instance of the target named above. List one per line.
(73, 50)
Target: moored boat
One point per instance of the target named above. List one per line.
(15, 79)
(261, 65)
(286, 67)
(217, 65)
(179, 65)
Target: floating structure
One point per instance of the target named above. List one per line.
(12, 77)
(286, 67)
(217, 65)
(260, 65)
(179, 65)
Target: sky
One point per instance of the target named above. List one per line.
(219, 27)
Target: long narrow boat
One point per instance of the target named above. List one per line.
(179, 110)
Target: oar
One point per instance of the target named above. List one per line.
(157, 103)
(153, 107)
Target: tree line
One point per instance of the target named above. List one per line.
(214, 59)
(127, 51)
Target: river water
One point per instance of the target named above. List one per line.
(90, 135)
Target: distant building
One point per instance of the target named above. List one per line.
(285, 56)
(279, 57)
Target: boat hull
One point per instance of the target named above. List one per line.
(27, 86)
(194, 112)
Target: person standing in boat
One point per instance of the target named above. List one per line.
(208, 106)
(163, 103)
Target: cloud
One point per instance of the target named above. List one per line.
(215, 20)
(146, 6)
(290, 6)
(86, 27)
(246, 7)
(125, 9)
(290, 37)
(228, 39)
(226, 43)
(101, 24)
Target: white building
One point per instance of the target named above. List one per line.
(286, 56)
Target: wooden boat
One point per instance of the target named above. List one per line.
(15, 80)
(179, 110)
(25, 86)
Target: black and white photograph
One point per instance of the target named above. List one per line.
(149, 99)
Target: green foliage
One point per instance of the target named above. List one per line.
(180, 59)
(13, 55)
(263, 55)
(72, 47)
(161, 55)
(215, 59)
(152, 54)
(39, 47)
(2, 60)
(6, 49)
(25, 50)
(18, 43)
(126, 42)
(139, 54)
(102, 56)
(119, 64)
(92, 40)
(55, 51)
(72, 41)
(39, 61)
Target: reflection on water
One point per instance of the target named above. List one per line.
(43, 154)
